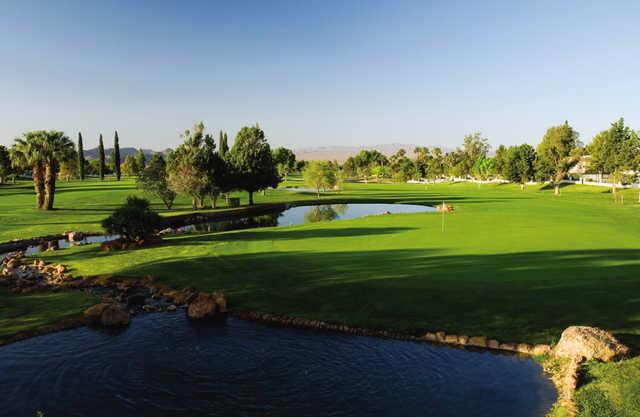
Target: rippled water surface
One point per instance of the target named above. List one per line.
(165, 365)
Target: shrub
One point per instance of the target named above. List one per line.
(133, 221)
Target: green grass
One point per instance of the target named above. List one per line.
(29, 312)
(517, 266)
(611, 390)
(80, 206)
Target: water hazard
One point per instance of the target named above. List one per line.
(165, 365)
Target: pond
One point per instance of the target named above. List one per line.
(164, 364)
(291, 216)
(310, 214)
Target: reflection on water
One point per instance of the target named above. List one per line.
(165, 365)
(325, 213)
(292, 216)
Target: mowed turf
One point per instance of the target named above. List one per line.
(512, 265)
(509, 264)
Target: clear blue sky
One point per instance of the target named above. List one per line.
(318, 73)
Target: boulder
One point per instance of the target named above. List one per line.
(94, 313)
(108, 314)
(204, 305)
(115, 315)
(589, 343)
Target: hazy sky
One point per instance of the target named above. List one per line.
(316, 73)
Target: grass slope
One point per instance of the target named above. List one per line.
(512, 265)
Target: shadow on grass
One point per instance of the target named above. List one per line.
(530, 296)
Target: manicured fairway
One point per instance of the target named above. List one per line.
(513, 265)
(510, 264)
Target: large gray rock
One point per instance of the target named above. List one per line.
(589, 343)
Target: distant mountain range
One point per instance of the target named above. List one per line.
(323, 153)
(341, 153)
(93, 152)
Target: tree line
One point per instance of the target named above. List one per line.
(614, 151)
(199, 167)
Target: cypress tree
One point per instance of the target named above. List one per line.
(224, 146)
(116, 155)
(80, 157)
(101, 158)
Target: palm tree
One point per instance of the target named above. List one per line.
(57, 148)
(26, 153)
(43, 151)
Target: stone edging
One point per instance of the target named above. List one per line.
(443, 338)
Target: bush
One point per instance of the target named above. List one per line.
(133, 221)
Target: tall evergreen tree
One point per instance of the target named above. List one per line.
(80, 157)
(141, 160)
(116, 156)
(101, 158)
(223, 147)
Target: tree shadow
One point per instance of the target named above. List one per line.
(529, 296)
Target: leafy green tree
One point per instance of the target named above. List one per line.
(435, 164)
(153, 180)
(614, 151)
(116, 156)
(6, 168)
(133, 221)
(285, 161)
(500, 160)
(519, 165)
(215, 170)
(320, 175)
(80, 157)
(252, 161)
(483, 168)
(187, 166)
(474, 147)
(68, 169)
(141, 160)
(402, 168)
(349, 167)
(101, 159)
(223, 145)
(557, 150)
(129, 166)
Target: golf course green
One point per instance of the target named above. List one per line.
(509, 264)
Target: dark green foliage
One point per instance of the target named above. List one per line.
(557, 150)
(153, 180)
(285, 161)
(101, 159)
(141, 160)
(116, 156)
(223, 148)
(252, 161)
(80, 157)
(500, 160)
(5, 164)
(519, 164)
(133, 221)
(615, 149)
